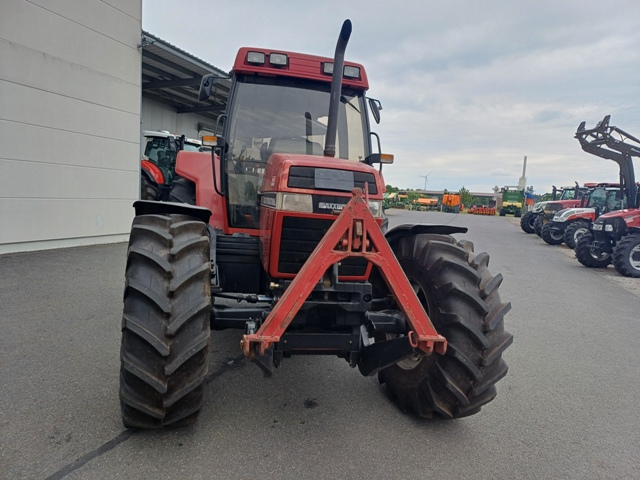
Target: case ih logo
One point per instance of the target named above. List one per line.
(331, 206)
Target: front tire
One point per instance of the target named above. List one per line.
(537, 226)
(527, 222)
(461, 297)
(573, 233)
(551, 236)
(626, 256)
(165, 326)
(587, 256)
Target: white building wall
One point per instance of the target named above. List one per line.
(69, 121)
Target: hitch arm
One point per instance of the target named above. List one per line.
(354, 233)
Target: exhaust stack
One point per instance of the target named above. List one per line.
(336, 90)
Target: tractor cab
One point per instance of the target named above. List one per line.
(604, 198)
(275, 135)
(272, 112)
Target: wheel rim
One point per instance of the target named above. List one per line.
(598, 255)
(532, 222)
(578, 233)
(414, 360)
(556, 235)
(634, 257)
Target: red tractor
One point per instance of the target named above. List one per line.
(287, 226)
(568, 224)
(157, 167)
(615, 236)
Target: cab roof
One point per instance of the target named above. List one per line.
(298, 65)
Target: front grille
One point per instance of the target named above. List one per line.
(300, 236)
(304, 177)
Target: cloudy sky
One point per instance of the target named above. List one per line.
(468, 87)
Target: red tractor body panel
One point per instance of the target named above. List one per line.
(631, 216)
(198, 168)
(582, 213)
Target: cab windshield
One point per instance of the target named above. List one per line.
(604, 200)
(283, 116)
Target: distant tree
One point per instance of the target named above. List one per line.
(391, 189)
(465, 197)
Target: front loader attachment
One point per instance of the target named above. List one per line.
(354, 233)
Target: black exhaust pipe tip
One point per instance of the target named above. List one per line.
(345, 33)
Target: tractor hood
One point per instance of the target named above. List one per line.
(631, 216)
(573, 213)
(539, 207)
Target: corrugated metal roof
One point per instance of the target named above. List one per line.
(172, 76)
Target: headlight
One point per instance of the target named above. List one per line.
(608, 227)
(598, 227)
(294, 202)
(375, 206)
(559, 218)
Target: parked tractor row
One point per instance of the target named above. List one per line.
(600, 221)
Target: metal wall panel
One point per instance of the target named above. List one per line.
(69, 121)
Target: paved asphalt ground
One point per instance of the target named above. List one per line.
(567, 409)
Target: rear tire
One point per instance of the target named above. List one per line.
(550, 236)
(527, 222)
(148, 190)
(626, 256)
(165, 326)
(461, 297)
(574, 231)
(587, 256)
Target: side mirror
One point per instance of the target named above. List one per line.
(207, 82)
(375, 107)
(385, 158)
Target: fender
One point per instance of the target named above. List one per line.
(198, 168)
(153, 172)
(407, 230)
(148, 176)
(149, 207)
